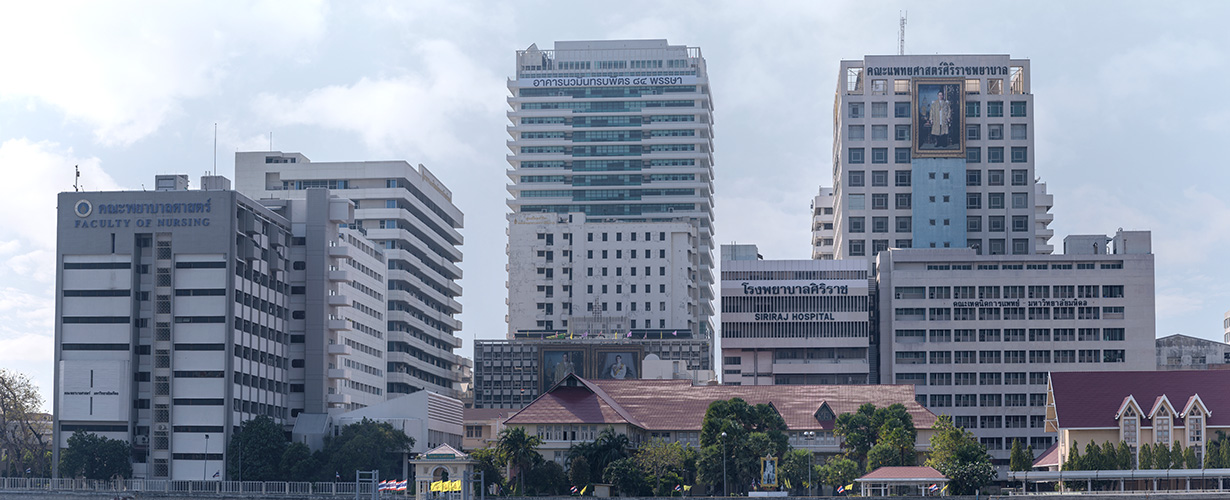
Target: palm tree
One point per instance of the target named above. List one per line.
(609, 447)
(519, 449)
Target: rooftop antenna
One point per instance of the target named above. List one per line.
(215, 148)
(901, 33)
(77, 179)
(271, 140)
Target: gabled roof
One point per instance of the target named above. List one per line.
(1160, 403)
(1049, 458)
(1090, 399)
(677, 405)
(445, 449)
(1128, 402)
(904, 474)
(1194, 403)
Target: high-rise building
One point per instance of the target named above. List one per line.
(612, 191)
(172, 322)
(410, 216)
(794, 322)
(978, 336)
(935, 151)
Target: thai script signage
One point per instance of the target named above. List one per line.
(163, 214)
(606, 81)
(944, 69)
(808, 289)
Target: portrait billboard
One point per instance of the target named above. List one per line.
(939, 118)
(617, 364)
(558, 363)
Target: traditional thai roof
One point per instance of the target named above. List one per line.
(1094, 399)
(484, 414)
(1049, 458)
(896, 474)
(677, 405)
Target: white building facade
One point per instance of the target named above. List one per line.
(978, 335)
(409, 214)
(172, 322)
(935, 151)
(612, 190)
(793, 322)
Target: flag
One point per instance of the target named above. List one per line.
(786, 482)
(336, 475)
(678, 487)
(675, 333)
(28, 471)
(584, 488)
(687, 487)
(383, 485)
(586, 334)
(573, 490)
(841, 489)
(217, 473)
(629, 334)
(945, 488)
(933, 487)
(401, 486)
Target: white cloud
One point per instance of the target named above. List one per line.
(423, 111)
(124, 67)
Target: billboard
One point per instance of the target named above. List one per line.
(618, 363)
(558, 363)
(939, 118)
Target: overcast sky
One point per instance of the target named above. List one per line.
(1128, 115)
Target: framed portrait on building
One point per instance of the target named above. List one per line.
(557, 364)
(939, 117)
(768, 471)
(623, 363)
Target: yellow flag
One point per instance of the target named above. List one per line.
(435, 485)
(455, 486)
(687, 487)
(583, 489)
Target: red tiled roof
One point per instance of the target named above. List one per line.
(1049, 458)
(1091, 399)
(484, 414)
(679, 406)
(903, 474)
(568, 405)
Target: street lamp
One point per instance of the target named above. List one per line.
(725, 489)
(809, 435)
(205, 459)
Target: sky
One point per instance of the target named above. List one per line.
(130, 89)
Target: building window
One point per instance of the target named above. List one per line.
(995, 201)
(994, 155)
(973, 224)
(880, 109)
(902, 132)
(857, 225)
(973, 132)
(856, 109)
(973, 155)
(1020, 223)
(880, 155)
(901, 109)
(858, 248)
(903, 200)
(879, 224)
(901, 155)
(857, 202)
(904, 224)
(995, 109)
(1018, 108)
(856, 133)
(995, 177)
(1019, 131)
(1020, 154)
(972, 109)
(973, 200)
(903, 178)
(879, 201)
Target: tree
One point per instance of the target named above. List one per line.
(365, 445)
(957, 455)
(794, 469)
(1189, 458)
(1123, 455)
(752, 432)
(95, 457)
(520, 450)
(298, 464)
(626, 477)
(25, 435)
(1017, 460)
(490, 463)
(1093, 457)
(867, 427)
(1145, 458)
(578, 472)
(1176, 455)
(547, 477)
(1212, 456)
(255, 452)
(837, 471)
(665, 465)
(1161, 456)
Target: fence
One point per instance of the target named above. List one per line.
(263, 488)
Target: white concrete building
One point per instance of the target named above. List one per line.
(935, 151)
(822, 228)
(611, 140)
(410, 216)
(172, 322)
(794, 322)
(978, 335)
(337, 325)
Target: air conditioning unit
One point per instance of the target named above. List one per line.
(142, 441)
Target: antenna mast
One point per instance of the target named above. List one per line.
(77, 179)
(901, 34)
(215, 148)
